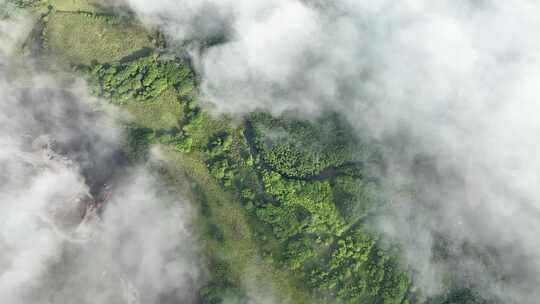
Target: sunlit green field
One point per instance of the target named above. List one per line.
(77, 38)
(266, 217)
(74, 5)
(162, 113)
(236, 245)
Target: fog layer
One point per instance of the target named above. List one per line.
(77, 225)
(450, 86)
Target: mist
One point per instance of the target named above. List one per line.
(78, 222)
(449, 88)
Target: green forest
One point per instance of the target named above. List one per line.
(288, 198)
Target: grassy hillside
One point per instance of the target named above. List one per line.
(75, 5)
(162, 113)
(282, 201)
(170, 117)
(81, 38)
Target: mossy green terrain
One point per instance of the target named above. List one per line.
(235, 257)
(258, 227)
(170, 117)
(82, 38)
(161, 113)
(282, 202)
(75, 5)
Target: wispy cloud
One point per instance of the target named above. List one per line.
(77, 224)
(451, 83)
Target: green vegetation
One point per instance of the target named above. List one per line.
(282, 201)
(315, 214)
(76, 5)
(233, 254)
(140, 83)
(306, 234)
(161, 113)
(299, 148)
(142, 79)
(82, 37)
(26, 3)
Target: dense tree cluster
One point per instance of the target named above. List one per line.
(315, 222)
(25, 3)
(307, 187)
(338, 260)
(221, 286)
(219, 164)
(355, 197)
(180, 136)
(357, 270)
(300, 148)
(142, 79)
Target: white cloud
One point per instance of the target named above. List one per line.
(459, 77)
(57, 149)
